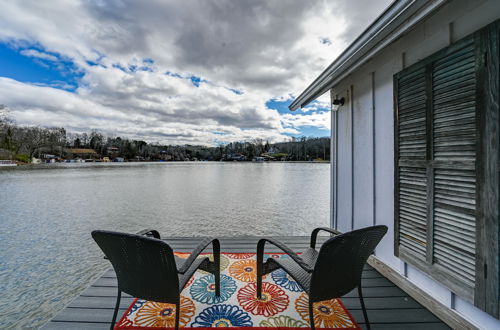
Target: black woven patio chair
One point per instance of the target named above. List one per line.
(329, 273)
(147, 268)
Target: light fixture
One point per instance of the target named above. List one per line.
(337, 103)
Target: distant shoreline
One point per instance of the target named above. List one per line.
(24, 165)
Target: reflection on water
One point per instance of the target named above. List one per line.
(47, 212)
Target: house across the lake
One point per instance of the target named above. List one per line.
(81, 152)
(415, 134)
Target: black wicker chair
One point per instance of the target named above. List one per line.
(146, 267)
(329, 273)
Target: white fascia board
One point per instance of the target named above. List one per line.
(395, 21)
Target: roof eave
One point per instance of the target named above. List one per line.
(397, 19)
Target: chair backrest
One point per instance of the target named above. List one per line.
(145, 267)
(340, 262)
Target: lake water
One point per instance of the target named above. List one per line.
(47, 256)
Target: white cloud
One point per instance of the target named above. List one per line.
(320, 120)
(37, 54)
(267, 49)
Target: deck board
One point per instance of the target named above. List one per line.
(388, 306)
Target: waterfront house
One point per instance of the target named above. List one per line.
(235, 157)
(415, 135)
(112, 150)
(81, 153)
(6, 154)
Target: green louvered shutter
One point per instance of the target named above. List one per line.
(454, 154)
(412, 151)
(436, 165)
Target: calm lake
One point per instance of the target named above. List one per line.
(47, 212)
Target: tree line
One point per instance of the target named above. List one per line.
(25, 142)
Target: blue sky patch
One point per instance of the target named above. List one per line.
(197, 80)
(280, 106)
(173, 74)
(309, 131)
(236, 91)
(38, 67)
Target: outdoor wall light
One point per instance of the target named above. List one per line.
(337, 103)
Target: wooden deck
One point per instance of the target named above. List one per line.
(388, 306)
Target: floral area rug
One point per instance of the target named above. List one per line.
(284, 304)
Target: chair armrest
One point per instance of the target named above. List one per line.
(284, 248)
(196, 252)
(150, 232)
(315, 232)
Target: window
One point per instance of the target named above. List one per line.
(446, 180)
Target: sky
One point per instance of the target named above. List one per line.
(174, 72)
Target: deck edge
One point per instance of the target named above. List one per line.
(443, 312)
(101, 274)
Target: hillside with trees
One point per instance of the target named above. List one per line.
(23, 143)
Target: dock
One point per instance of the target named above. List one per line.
(388, 306)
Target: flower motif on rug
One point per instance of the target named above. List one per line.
(244, 270)
(125, 323)
(284, 280)
(274, 299)
(283, 321)
(284, 305)
(155, 314)
(138, 304)
(327, 314)
(222, 316)
(203, 289)
(224, 262)
(240, 255)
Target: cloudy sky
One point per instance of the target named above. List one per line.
(177, 72)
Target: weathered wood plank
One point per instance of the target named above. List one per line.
(56, 325)
(100, 302)
(86, 315)
(377, 303)
(408, 326)
(451, 317)
(410, 315)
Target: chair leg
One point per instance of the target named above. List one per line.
(360, 292)
(311, 315)
(118, 298)
(216, 251)
(259, 276)
(177, 313)
(217, 282)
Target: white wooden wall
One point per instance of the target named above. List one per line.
(363, 189)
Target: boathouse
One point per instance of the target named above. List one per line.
(415, 134)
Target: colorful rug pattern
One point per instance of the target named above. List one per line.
(284, 304)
